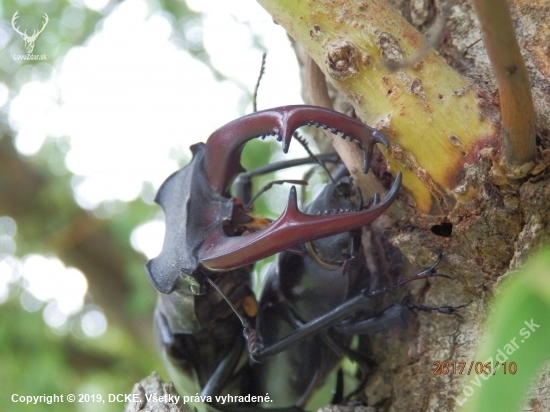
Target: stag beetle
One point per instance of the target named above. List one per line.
(304, 286)
(211, 238)
(314, 299)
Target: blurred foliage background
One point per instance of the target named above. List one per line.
(86, 137)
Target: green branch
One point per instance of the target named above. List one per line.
(435, 118)
(516, 103)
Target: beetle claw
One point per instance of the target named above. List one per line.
(224, 146)
(225, 253)
(195, 199)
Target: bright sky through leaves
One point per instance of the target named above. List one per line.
(129, 98)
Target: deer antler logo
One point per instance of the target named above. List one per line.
(29, 40)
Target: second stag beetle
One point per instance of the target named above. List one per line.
(212, 240)
(314, 299)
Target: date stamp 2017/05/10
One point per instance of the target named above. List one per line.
(459, 368)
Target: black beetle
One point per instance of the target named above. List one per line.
(314, 299)
(301, 287)
(211, 237)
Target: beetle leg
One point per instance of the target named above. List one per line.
(366, 365)
(362, 302)
(223, 372)
(224, 146)
(219, 252)
(395, 315)
(445, 310)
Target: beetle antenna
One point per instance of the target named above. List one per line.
(270, 185)
(305, 145)
(245, 323)
(426, 273)
(446, 310)
(255, 96)
(467, 49)
(248, 331)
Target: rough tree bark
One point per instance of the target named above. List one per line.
(470, 191)
(151, 394)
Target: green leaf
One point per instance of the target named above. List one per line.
(518, 332)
